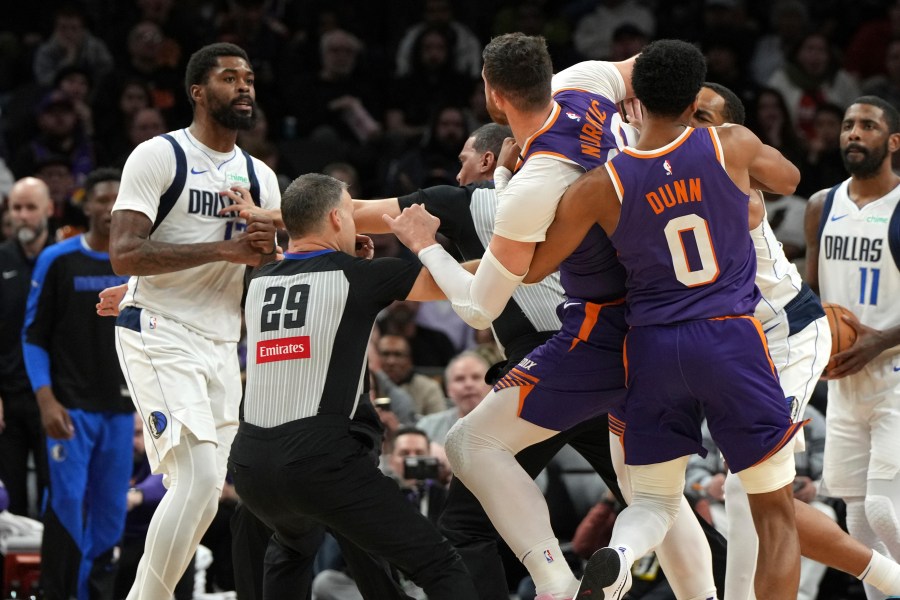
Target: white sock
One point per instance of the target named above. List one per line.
(882, 573)
(549, 570)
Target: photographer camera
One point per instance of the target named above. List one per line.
(417, 471)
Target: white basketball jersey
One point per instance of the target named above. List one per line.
(776, 277)
(857, 268)
(206, 298)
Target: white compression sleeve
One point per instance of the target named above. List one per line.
(478, 299)
(502, 175)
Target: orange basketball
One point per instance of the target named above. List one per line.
(842, 335)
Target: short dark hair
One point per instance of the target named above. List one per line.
(307, 200)
(667, 76)
(98, 176)
(410, 430)
(519, 67)
(204, 60)
(734, 108)
(891, 115)
(490, 138)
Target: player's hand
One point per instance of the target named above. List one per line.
(715, 489)
(54, 417)
(805, 489)
(365, 247)
(869, 344)
(509, 154)
(255, 245)
(240, 200)
(634, 112)
(415, 227)
(134, 498)
(110, 298)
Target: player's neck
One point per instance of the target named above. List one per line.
(211, 134)
(864, 191)
(658, 132)
(96, 242)
(526, 124)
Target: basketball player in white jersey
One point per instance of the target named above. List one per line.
(799, 343)
(853, 257)
(180, 320)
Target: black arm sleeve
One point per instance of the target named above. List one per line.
(448, 203)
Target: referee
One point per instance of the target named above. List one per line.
(529, 319)
(295, 461)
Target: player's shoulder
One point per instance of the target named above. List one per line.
(817, 200)
(157, 148)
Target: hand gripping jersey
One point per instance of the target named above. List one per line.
(682, 234)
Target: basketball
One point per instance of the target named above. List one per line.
(842, 335)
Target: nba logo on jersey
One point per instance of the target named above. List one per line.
(573, 116)
(667, 167)
(548, 556)
(152, 323)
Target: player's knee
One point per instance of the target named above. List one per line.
(882, 517)
(455, 446)
(666, 506)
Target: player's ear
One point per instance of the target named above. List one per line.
(488, 162)
(894, 142)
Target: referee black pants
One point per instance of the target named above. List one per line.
(471, 532)
(310, 473)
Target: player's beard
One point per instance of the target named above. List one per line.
(870, 163)
(226, 116)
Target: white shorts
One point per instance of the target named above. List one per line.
(800, 360)
(862, 439)
(179, 379)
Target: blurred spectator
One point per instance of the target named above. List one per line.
(429, 84)
(824, 165)
(347, 173)
(887, 86)
(435, 161)
(540, 17)
(725, 66)
(71, 44)
(788, 22)
(145, 62)
(127, 97)
(247, 24)
(429, 347)
(6, 181)
(466, 388)
(768, 117)
(785, 216)
(146, 123)
(627, 40)
(594, 31)
(397, 364)
(865, 55)
(811, 76)
(59, 134)
(75, 82)
(56, 172)
(340, 100)
(464, 49)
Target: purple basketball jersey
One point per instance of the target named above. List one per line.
(683, 235)
(586, 131)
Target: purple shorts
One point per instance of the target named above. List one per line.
(719, 369)
(578, 373)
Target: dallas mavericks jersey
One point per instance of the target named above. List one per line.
(182, 197)
(309, 318)
(584, 129)
(859, 257)
(776, 277)
(682, 234)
